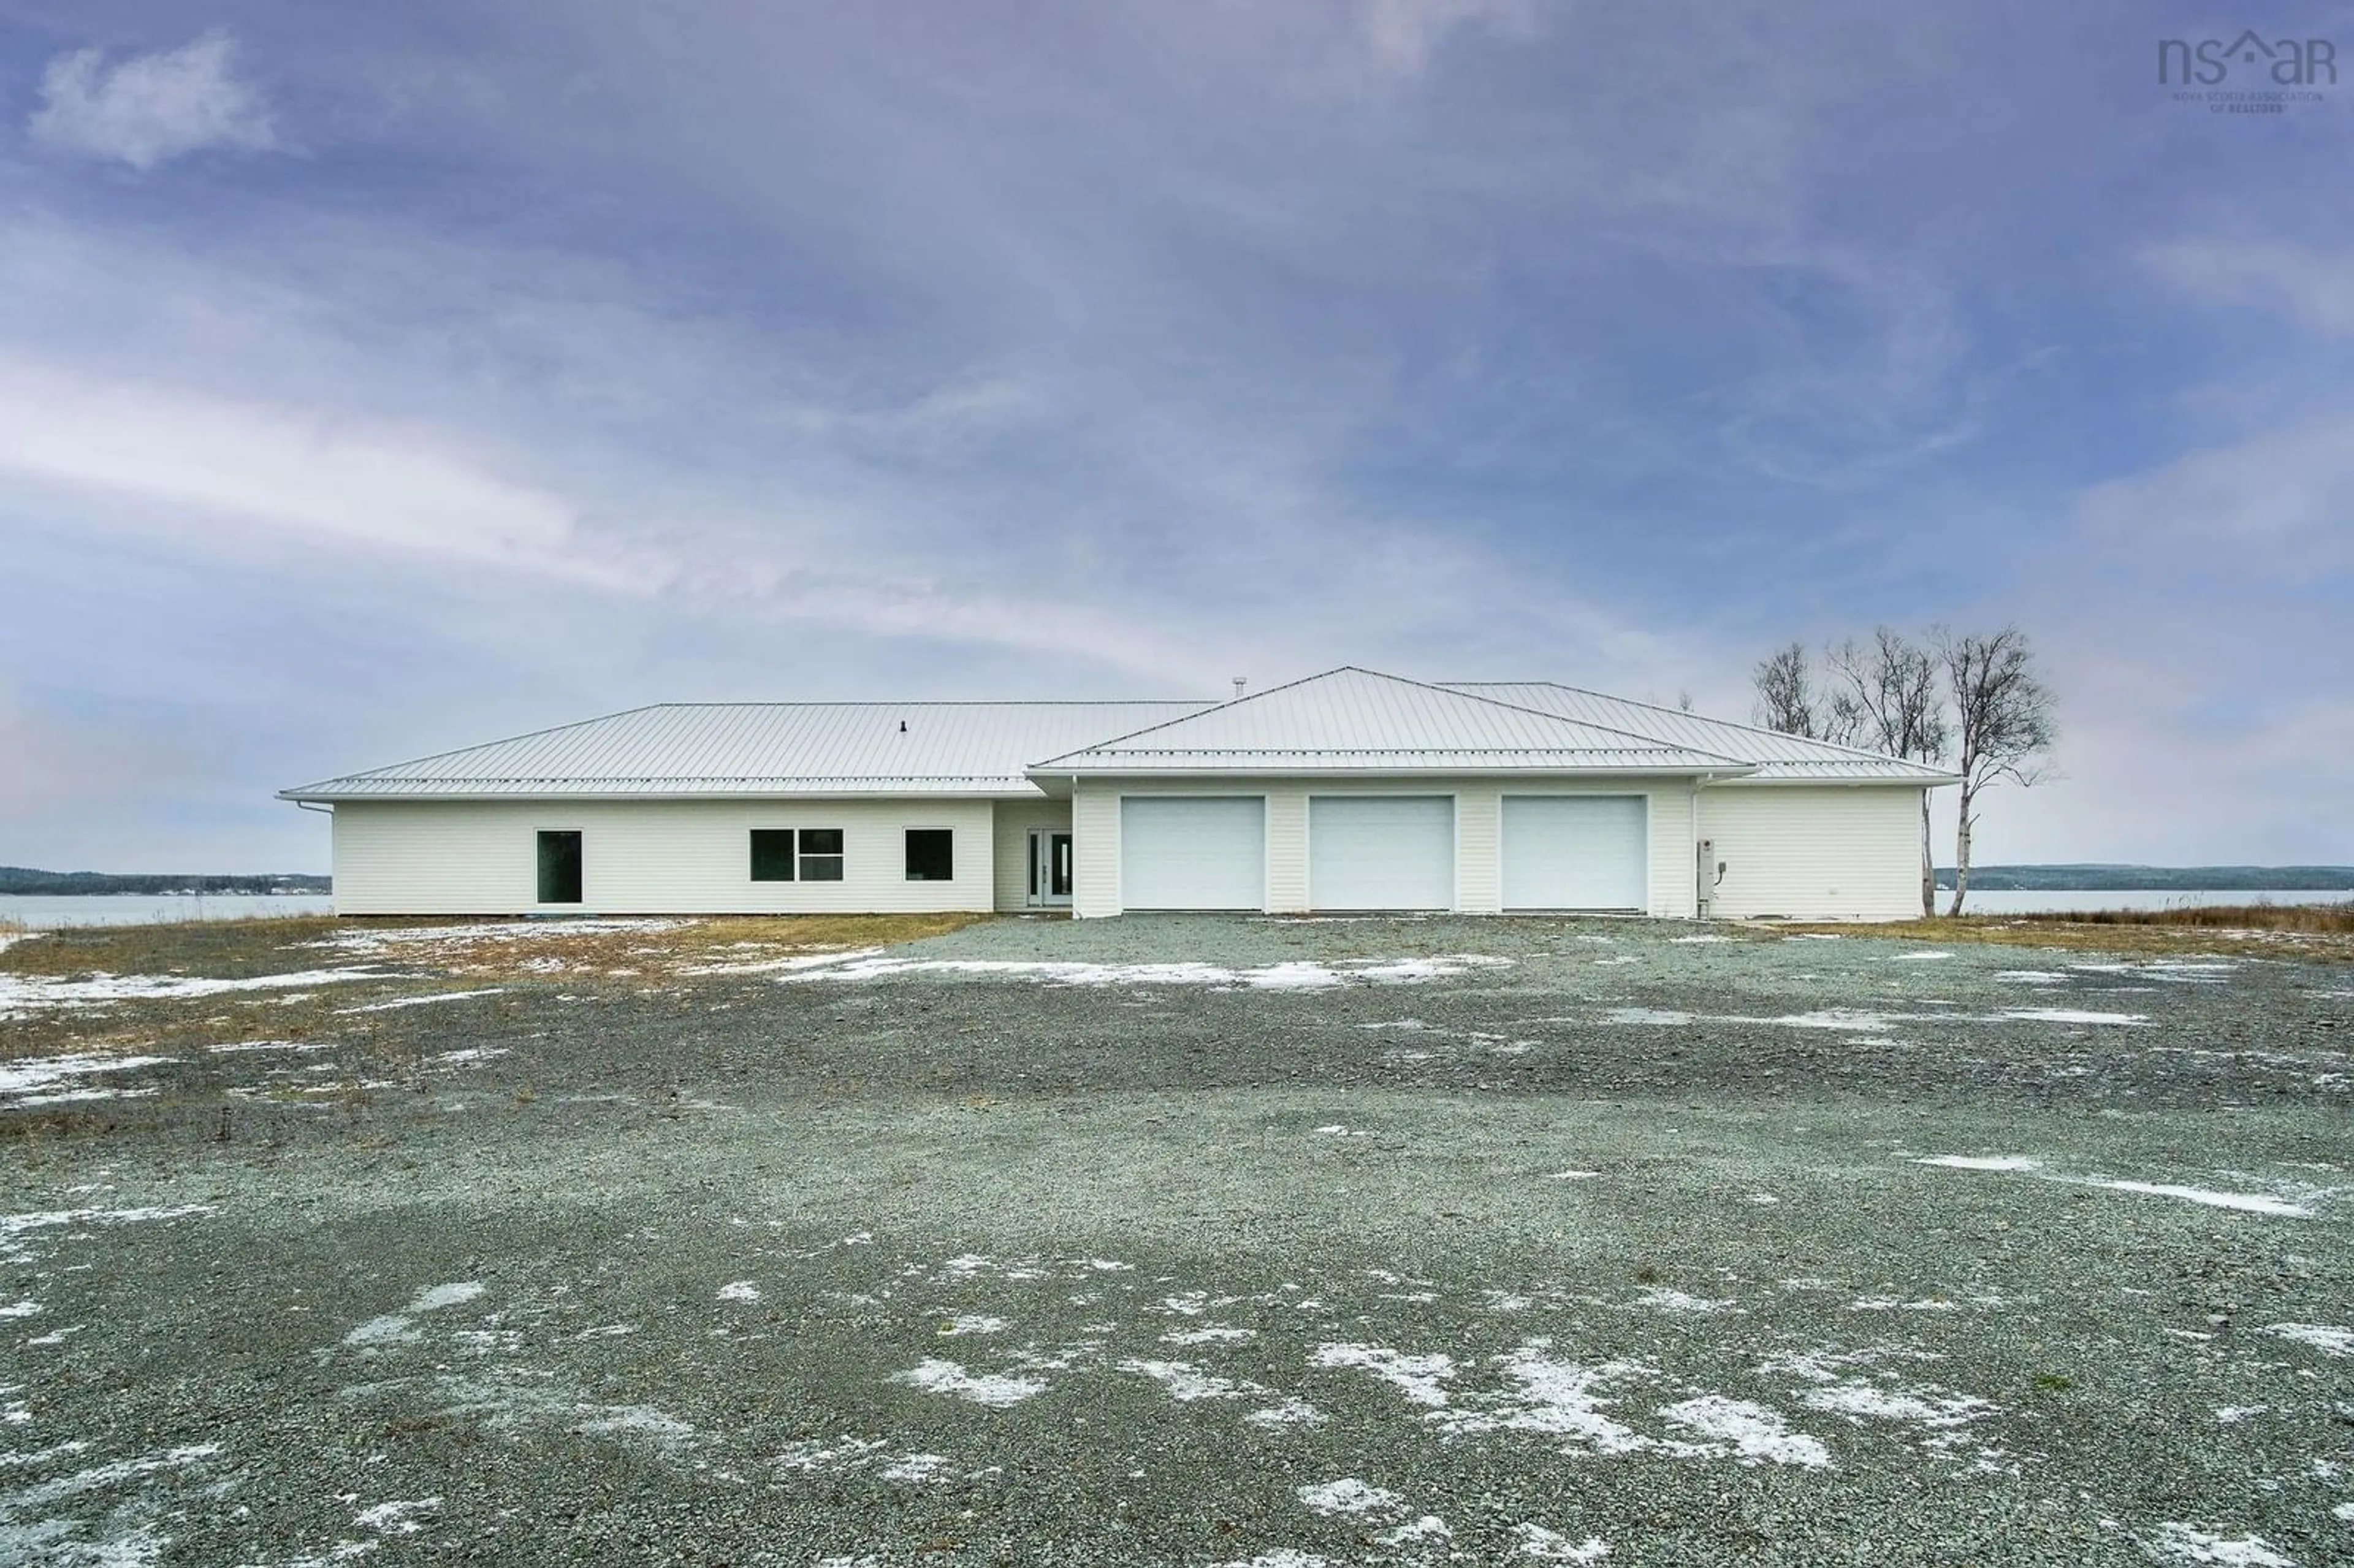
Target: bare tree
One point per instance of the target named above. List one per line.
(1888, 699)
(2004, 713)
(1785, 691)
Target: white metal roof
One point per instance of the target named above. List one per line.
(1359, 720)
(1779, 756)
(1345, 720)
(762, 748)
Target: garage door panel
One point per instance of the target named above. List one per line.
(1196, 851)
(1381, 852)
(1576, 851)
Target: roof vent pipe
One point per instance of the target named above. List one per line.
(1240, 681)
(903, 726)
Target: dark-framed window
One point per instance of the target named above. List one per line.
(772, 855)
(931, 854)
(559, 865)
(797, 854)
(821, 858)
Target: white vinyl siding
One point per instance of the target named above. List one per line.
(1200, 852)
(1807, 852)
(1577, 851)
(1381, 852)
(650, 857)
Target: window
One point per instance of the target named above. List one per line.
(819, 859)
(931, 854)
(559, 867)
(772, 855)
(820, 854)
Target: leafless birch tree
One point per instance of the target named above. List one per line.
(1787, 698)
(2003, 712)
(1888, 699)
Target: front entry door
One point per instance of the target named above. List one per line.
(1050, 869)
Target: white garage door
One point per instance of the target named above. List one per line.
(1206, 852)
(1381, 852)
(1575, 851)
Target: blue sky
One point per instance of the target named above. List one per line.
(380, 379)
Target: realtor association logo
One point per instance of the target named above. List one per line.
(2247, 75)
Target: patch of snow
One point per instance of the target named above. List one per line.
(1210, 1334)
(34, 1080)
(2246, 1203)
(1918, 958)
(914, 1468)
(1281, 1557)
(1572, 1175)
(18, 991)
(1289, 977)
(996, 1390)
(1695, 941)
(1755, 1435)
(1666, 1300)
(471, 1055)
(2013, 1162)
(739, 1291)
(2233, 1415)
(1559, 1399)
(2190, 1543)
(395, 1517)
(1187, 1382)
(2075, 1015)
(2328, 1340)
(1417, 1377)
(1665, 1018)
(400, 1002)
(1430, 1527)
(1549, 1546)
(1348, 1496)
(234, 1048)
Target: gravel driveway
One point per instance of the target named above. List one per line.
(1191, 1241)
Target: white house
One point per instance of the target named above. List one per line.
(1348, 790)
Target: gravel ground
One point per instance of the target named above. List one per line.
(1188, 1242)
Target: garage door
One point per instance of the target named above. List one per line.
(1575, 851)
(1193, 852)
(1381, 852)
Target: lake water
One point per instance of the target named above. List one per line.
(40, 912)
(1981, 902)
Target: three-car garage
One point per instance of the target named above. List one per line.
(1382, 851)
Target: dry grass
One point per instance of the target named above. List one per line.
(2256, 931)
(2337, 918)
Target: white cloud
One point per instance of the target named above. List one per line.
(2309, 285)
(214, 461)
(1401, 35)
(152, 108)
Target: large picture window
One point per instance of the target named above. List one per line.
(797, 854)
(559, 867)
(931, 854)
(772, 855)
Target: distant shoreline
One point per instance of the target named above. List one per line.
(2113, 878)
(23, 881)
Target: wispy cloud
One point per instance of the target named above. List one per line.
(146, 109)
(2309, 284)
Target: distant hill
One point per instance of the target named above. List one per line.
(24, 880)
(2105, 878)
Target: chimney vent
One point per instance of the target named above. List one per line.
(1240, 681)
(903, 726)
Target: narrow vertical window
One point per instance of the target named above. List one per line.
(931, 854)
(821, 858)
(772, 855)
(559, 867)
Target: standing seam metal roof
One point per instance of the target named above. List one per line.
(1347, 719)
